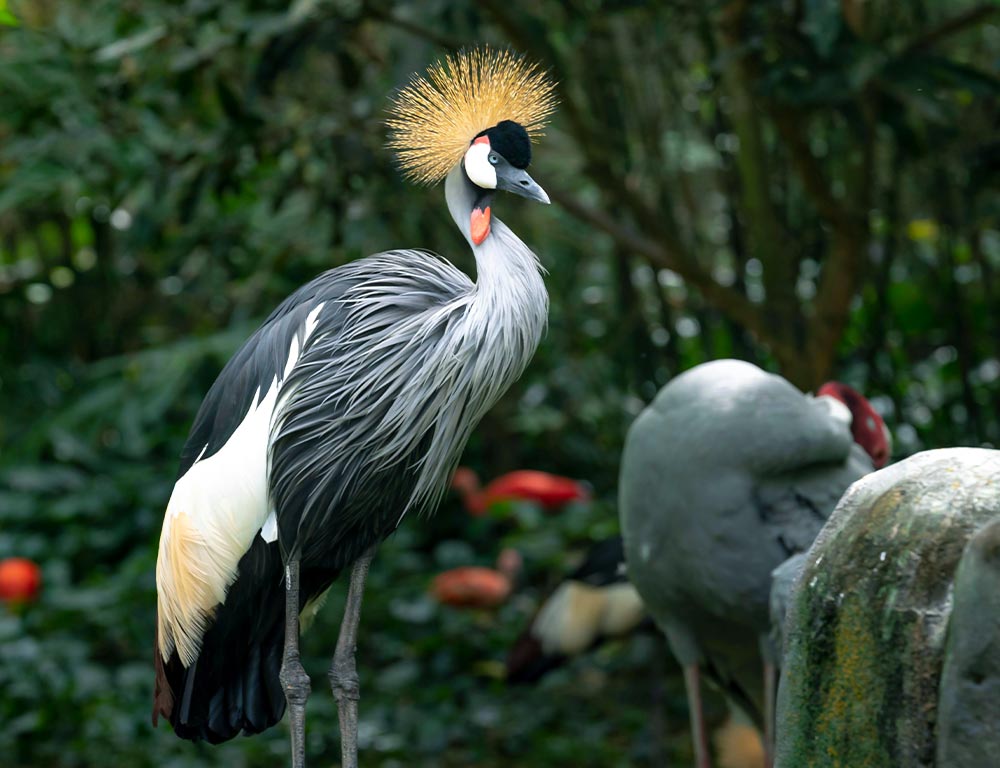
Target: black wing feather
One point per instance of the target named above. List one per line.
(233, 686)
(253, 368)
(603, 565)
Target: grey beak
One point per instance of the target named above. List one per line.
(518, 181)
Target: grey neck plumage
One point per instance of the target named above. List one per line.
(509, 299)
(490, 334)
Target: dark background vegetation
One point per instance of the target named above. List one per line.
(808, 184)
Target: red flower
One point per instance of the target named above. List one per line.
(20, 580)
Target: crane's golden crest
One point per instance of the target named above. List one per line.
(433, 119)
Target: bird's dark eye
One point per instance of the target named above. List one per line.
(494, 158)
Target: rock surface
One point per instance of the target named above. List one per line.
(969, 703)
(868, 620)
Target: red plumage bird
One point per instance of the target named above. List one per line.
(473, 586)
(551, 492)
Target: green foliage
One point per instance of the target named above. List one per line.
(170, 171)
(7, 19)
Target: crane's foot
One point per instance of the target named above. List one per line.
(343, 670)
(344, 679)
(699, 732)
(294, 680)
(347, 691)
(770, 697)
(296, 685)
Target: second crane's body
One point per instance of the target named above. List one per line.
(348, 408)
(727, 474)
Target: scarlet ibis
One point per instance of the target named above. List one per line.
(728, 473)
(594, 603)
(552, 492)
(348, 408)
(473, 586)
(20, 580)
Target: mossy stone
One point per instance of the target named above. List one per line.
(868, 619)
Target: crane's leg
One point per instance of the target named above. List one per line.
(293, 677)
(698, 732)
(343, 672)
(770, 703)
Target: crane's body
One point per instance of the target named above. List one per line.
(727, 474)
(348, 408)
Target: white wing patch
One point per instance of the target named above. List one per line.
(214, 512)
(269, 531)
(577, 614)
(293, 357)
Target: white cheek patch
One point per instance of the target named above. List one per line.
(478, 167)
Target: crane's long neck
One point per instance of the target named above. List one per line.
(483, 338)
(510, 304)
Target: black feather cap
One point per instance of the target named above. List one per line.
(511, 140)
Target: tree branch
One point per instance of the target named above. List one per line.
(738, 78)
(768, 237)
(659, 242)
(729, 301)
(425, 33)
(810, 173)
(948, 27)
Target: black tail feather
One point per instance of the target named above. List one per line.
(233, 686)
(528, 663)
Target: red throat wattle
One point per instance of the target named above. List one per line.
(479, 224)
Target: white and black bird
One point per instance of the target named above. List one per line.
(347, 409)
(727, 474)
(595, 603)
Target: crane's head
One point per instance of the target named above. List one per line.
(867, 426)
(479, 111)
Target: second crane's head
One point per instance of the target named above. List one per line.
(472, 120)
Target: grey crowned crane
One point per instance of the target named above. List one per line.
(347, 409)
(727, 474)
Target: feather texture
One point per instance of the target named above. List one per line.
(348, 408)
(375, 374)
(727, 473)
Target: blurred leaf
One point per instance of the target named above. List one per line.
(6, 17)
(130, 45)
(822, 23)
(922, 230)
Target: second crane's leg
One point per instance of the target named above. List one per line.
(698, 733)
(294, 680)
(343, 671)
(770, 689)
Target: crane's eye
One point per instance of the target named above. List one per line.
(494, 158)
